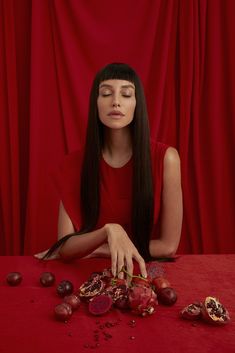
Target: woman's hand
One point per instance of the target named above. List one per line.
(122, 251)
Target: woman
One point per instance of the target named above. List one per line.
(129, 201)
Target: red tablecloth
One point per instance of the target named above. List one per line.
(27, 322)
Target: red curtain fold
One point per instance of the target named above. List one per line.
(50, 51)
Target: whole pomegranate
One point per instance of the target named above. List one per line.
(47, 279)
(63, 311)
(141, 281)
(142, 300)
(160, 282)
(167, 296)
(14, 278)
(73, 300)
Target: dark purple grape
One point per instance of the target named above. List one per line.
(14, 278)
(64, 288)
(47, 279)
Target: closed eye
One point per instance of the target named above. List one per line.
(106, 94)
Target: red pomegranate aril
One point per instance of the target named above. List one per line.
(14, 278)
(73, 300)
(64, 288)
(63, 312)
(47, 279)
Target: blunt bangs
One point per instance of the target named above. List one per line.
(116, 71)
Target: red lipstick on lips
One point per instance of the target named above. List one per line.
(115, 113)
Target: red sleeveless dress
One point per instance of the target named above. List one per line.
(115, 190)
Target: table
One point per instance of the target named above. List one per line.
(28, 325)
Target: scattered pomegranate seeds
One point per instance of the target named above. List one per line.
(103, 332)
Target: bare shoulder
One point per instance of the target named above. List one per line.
(171, 165)
(171, 157)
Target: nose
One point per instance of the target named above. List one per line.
(115, 102)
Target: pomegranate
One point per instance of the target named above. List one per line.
(115, 281)
(73, 300)
(63, 311)
(91, 288)
(140, 281)
(100, 304)
(167, 296)
(47, 279)
(160, 282)
(119, 294)
(214, 312)
(143, 300)
(64, 288)
(14, 278)
(192, 311)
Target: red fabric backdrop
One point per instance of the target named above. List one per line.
(184, 52)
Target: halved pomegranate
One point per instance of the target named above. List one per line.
(214, 312)
(192, 311)
(91, 288)
(100, 305)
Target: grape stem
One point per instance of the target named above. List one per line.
(132, 276)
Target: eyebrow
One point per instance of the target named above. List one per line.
(110, 86)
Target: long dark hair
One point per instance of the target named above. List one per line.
(142, 194)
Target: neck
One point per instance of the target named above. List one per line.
(118, 146)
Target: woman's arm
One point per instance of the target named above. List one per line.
(65, 225)
(122, 250)
(172, 208)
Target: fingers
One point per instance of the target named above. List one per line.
(120, 265)
(141, 263)
(43, 253)
(118, 261)
(113, 262)
(129, 268)
(40, 254)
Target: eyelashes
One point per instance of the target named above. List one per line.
(109, 94)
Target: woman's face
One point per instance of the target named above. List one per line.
(116, 103)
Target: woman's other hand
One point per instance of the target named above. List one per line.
(53, 256)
